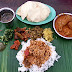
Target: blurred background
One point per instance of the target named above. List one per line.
(59, 5)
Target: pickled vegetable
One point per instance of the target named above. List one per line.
(15, 45)
(36, 32)
(48, 34)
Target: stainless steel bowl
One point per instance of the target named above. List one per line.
(8, 9)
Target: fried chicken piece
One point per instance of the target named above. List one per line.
(15, 45)
(67, 31)
(20, 29)
(21, 33)
(18, 35)
(70, 25)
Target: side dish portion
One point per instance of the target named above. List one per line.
(63, 25)
(48, 34)
(6, 15)
(7, 36)
(15, 45)
(33, 11)
(2, 46)
(21, 33)
(35, 32)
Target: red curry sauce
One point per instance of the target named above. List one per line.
(63, 25)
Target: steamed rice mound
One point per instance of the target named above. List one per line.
(35, 68)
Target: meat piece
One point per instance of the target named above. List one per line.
(18, 35)
(21, 33)
(70, 25)
(26, 62)
(15, 45)
(26, 52)
(63, 21)
(30, 59)
(15, 37)
(66, 31)
(20, 29)
(25, 35)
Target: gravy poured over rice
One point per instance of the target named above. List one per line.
(36, 56)
(37, 53)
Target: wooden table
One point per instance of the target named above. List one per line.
(59, 5)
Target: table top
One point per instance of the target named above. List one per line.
(59, 5)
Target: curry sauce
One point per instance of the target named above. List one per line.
(63, 25)
(6, 15)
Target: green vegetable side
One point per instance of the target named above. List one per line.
(8, 34)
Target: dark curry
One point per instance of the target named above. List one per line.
(6, 15)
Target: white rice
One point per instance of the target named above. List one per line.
(34, 68)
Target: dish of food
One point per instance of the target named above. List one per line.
(2, 46)
(29, 48)
(7, 36)
(6, 15)
(63, 25)
(24, 34)
(36, 32)
(37, 18)
(48, 34)
(36, 56)
(21, 33)
(33, 11)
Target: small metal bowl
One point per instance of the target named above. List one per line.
(55, 28)
(6, 9)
